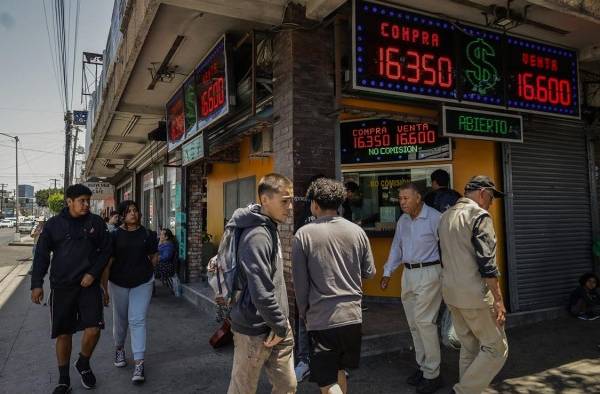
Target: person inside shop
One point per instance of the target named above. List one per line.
(128, 282)
(415, 246)
(584, 302)
(441, 197)
(352, 197)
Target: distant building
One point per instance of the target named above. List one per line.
(26, 191)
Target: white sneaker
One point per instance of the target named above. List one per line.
(302, 371)
(120, 360)
(138, 374)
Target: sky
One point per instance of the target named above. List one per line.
(30, 104)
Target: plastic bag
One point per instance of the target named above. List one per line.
(448, 334)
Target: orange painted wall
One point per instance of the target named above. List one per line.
(469, 158)
(225, 172)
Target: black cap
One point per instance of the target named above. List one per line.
(483, 182)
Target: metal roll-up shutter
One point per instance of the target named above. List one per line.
(549, 224)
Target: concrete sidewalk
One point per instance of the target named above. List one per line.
(554, 357)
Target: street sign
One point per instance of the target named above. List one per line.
(482, 125)
(193, 150)
(80, 118)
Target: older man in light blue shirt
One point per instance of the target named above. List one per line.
(415, 246)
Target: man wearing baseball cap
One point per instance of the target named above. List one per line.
(470, 285)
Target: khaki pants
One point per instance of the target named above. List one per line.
(249, 357)
(483, 351)
(421, 298)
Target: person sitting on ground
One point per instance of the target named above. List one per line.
(584, 301)
(167, 250)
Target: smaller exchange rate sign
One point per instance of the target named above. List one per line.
(387, 140)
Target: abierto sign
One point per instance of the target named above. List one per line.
(482, 125)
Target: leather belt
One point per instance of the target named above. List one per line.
(421, 265)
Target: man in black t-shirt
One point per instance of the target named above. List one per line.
(80, 246)
(441, 197)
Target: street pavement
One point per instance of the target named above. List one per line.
(6, 236)
(558, 356)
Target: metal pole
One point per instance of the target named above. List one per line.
(2, 199)
(17, 205)
(68, 120)
(73, 155)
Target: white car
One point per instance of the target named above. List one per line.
(5, 223)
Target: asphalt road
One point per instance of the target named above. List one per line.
(6, 235)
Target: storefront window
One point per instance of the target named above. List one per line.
(148, 200)
(375, 205)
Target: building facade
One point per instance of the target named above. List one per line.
(198, 101)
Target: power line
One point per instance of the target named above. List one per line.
(74, 50)
(34, 150)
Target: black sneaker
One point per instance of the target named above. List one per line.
(415, 378)
(429, 386)
(88, 380)
(138, 374)
(120, 360)
(62, 389)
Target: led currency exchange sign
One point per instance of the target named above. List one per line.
(404, 53)
(385, 140)
(486, 125)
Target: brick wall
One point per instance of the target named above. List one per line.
(303, 134)
(196, 219)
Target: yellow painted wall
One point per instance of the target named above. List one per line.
(469, 158)
(225, 172)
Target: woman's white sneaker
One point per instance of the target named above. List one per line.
(120, 360)
(138, 373)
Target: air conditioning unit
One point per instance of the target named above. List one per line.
(261, 144)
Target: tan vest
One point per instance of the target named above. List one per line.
(462, 284)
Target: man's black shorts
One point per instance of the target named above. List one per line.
(333, 350)
(73, 309)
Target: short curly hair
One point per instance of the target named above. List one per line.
(327, 193)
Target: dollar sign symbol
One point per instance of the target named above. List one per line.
(483, 76)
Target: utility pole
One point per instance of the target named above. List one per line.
(55, 180)
(17, 234)
(68, 126)
(3, 185)
(73, 155)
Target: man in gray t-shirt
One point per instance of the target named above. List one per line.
(330, 257)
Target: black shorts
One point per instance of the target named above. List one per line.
(333, 350)
(74, 309)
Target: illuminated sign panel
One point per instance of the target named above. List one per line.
(385, 140)
(404, 53)
(484, 125)
(482, 68)
(401, 52)
(542, 77)
(212, 85)
(175, 121)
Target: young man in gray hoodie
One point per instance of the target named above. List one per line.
(259, 317)
(331, 256)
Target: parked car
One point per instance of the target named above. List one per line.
(5, 223)
(26, 226)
